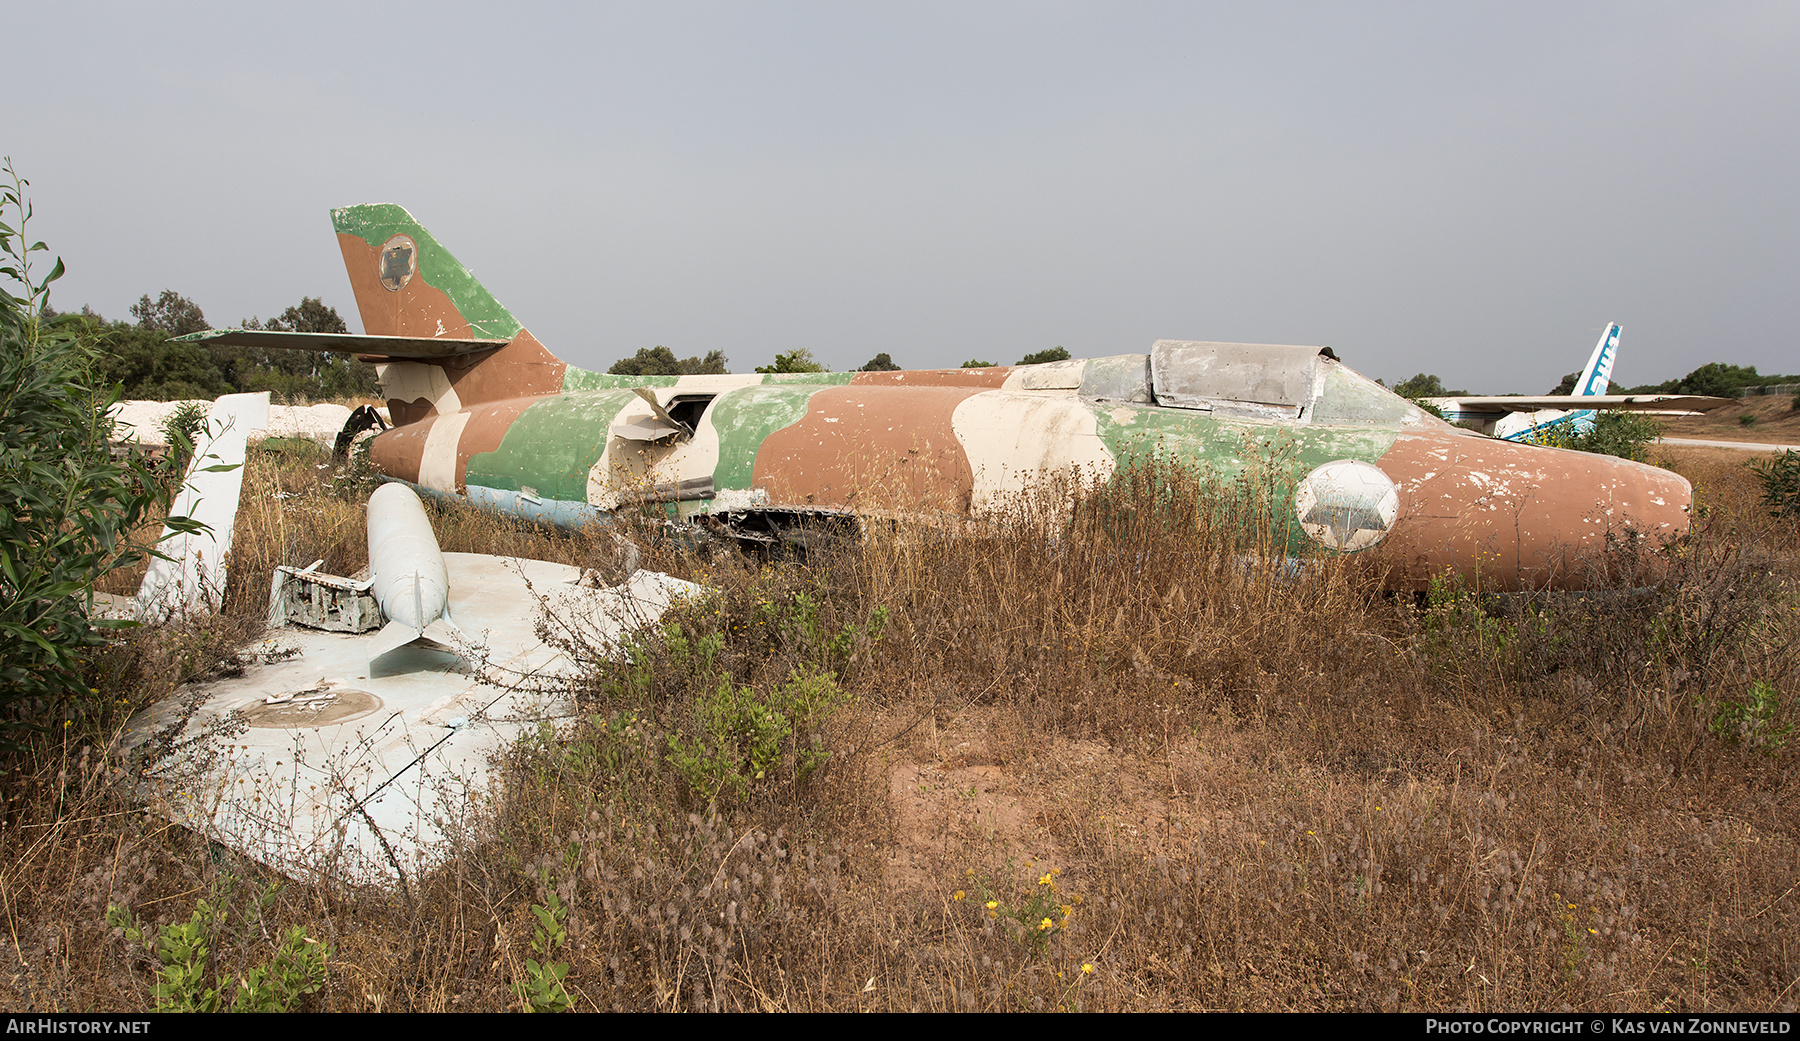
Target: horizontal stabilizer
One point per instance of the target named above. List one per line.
(441, 632)
(344, 343)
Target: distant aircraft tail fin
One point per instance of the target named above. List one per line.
(1598, 375)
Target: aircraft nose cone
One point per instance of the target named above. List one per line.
(1506, 516)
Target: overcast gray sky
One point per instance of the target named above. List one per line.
(1470, 190)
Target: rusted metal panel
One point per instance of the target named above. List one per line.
(306, 596)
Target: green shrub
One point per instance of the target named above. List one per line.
(730, 700)
(739, 735)
(186, 977)
(541, 988)
(1626, 435)
(1752, 721)
(66, 506)
(1780, 477)
(181, 430)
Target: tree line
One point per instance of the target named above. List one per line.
(143, 357)
(1714, 379)
(661, 361)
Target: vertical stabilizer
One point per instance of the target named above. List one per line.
(1598, 375)
(408, 284)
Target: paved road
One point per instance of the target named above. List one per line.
(1745, 446)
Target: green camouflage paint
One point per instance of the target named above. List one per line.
(375, 223)
(552, 446)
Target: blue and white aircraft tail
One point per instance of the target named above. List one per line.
(1594, 381)
(1522, 418)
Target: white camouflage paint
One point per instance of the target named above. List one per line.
(409, 381)
(1007, 435)
(437, 467)
(627, 465)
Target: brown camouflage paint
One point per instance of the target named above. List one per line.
(487, 425)
(1510, 517)
(399, 452)
(878, 448)
(522, 368)
(405, 413)
(988, 377)
(416, 309)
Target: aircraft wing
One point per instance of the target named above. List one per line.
(421, 347)
(1505, 403)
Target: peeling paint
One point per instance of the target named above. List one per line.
(514, 428)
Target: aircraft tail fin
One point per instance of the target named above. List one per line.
(408, 284)
(411, 289)
(1598, 375)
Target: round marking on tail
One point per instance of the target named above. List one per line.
(399, 262)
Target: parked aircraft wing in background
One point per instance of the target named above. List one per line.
(757, 456)
(1517, 417)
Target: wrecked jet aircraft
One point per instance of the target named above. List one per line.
(483, 412)
(1520, 417)
(352, 748)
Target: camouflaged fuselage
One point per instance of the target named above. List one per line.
(509, 426)
(962, 441)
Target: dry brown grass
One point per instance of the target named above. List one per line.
(1269, 787)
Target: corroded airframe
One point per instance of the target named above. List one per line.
(483, 411)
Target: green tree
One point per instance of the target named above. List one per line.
(294, 375)
(880, 363)
(660, 361)
(66, 506)
(1057, 353)
(797, 360)
(1424, 385)
(170, 313)
(148, 366)
(974, 363)
(1717, 379)
(310, 315)
(142, 361)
